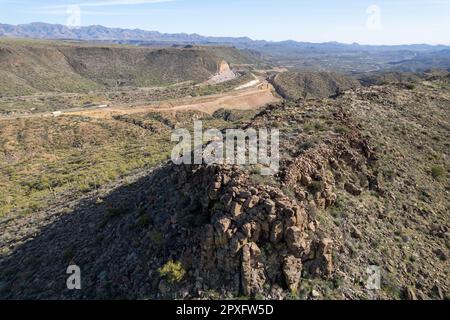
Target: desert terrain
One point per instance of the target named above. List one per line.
(86, 176)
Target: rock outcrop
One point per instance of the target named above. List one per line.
(247, 237)
(251, 237)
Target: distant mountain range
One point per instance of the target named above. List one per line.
(329, 56)
(39, 30)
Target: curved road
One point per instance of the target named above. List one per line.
(252, 95)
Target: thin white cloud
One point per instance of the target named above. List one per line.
(63, 11)
(109, 3)
(59, 9)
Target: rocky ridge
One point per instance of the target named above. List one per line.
(228, 232)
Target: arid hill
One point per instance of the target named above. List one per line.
(27, 67)
(296, 85)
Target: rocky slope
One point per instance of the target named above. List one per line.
(363, 181)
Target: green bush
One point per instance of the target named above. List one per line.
(437, 171)
(342, 130)
(172, 271)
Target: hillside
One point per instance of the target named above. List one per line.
(296, 85)
(46, 159)
(229, 54)
(364, 181)
(28, 67)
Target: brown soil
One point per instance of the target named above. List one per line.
(248, 99)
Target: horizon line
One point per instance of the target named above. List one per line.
(233, 37)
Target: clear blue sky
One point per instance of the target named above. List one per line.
(389, 22)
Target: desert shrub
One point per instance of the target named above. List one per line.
(157, 238)
(212, 295)
(437, 172)
(116, 211)
(389, 286)
(143, 221)
(317, 186)
(337, 282)
(226, 115)
(308, 127)
(292, 296)
(337, 209)
(172, 271)
(39, 184)
(342, 130)
(259, 179)
(195, 220)
(315, 126)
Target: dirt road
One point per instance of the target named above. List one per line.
(251, 96)
(248, 99)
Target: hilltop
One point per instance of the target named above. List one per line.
(296, 85)
(29, 66)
